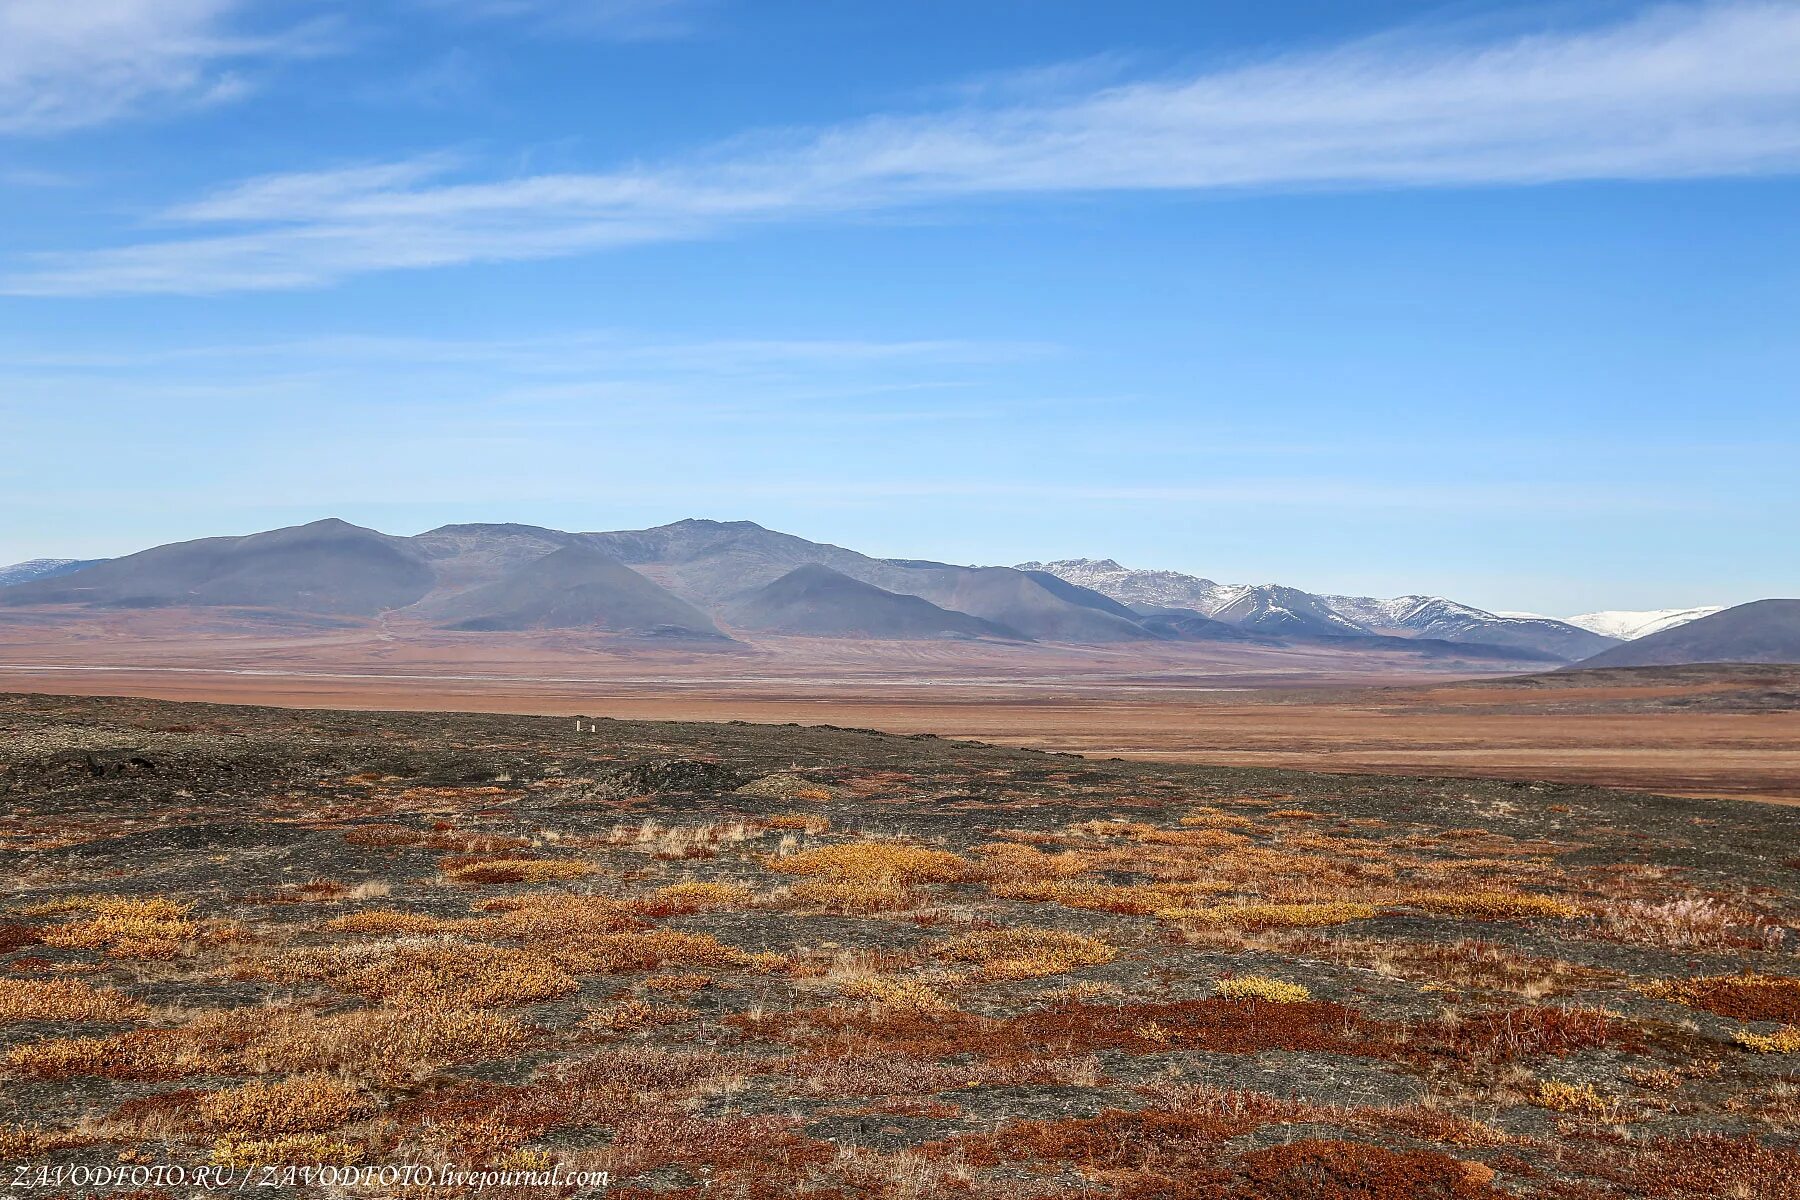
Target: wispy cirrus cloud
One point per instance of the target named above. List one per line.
(617, 20)
(1690, 91)
(65, 64)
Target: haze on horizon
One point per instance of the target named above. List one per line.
(1492, 301)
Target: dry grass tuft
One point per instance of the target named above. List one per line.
(1137, 899)
(443, 973)
(483, 871)
(1578, 1100)
(292, 1150)
(122, 926)
(889, 862)
(64, 1000)
(1025, 953)
(1690, 923)
(856, 897)
(299, 1104)
(1271, 916)
(884, 993)
(1490, 906)
(696, 896)
(1261, 987)
(1785, 1040)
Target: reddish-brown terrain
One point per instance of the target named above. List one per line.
(1720, 731)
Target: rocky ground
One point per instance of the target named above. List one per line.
(737, 960)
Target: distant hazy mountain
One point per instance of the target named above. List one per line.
(817, 601)
(693, 577)
(1629, 626)
(1763, 631)
(43, 568)
(1285, 611)
(1139, 589)
(329, 566)
(712, 563)
(576, 587)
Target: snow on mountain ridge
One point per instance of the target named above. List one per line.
(1276, 609)
(1630, 625)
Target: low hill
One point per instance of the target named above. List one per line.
(816, 601)
(328, 566)
(1763, 631)
(576, 587)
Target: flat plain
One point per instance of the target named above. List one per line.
(1703, 731)
(789, 961)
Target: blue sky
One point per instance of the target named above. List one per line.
(1493, 301)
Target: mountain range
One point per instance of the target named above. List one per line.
(1278, 610)
(705, 581)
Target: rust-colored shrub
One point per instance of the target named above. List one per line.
(1499, 1035)
(1746, 997)
(1315, 1169)
(1692, 1166)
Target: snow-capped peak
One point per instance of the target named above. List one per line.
(1632, 624)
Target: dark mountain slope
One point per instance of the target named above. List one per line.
(1074, 593)
(1763, 631)
(576, 587)
(816, 601)
(711, 563)
(464, 557)
(328, 566)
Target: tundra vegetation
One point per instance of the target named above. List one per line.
(741, 961)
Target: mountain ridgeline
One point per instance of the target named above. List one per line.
(721, 581)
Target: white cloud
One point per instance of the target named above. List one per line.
(70, 63)
(620, 20)
(1682, 92)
